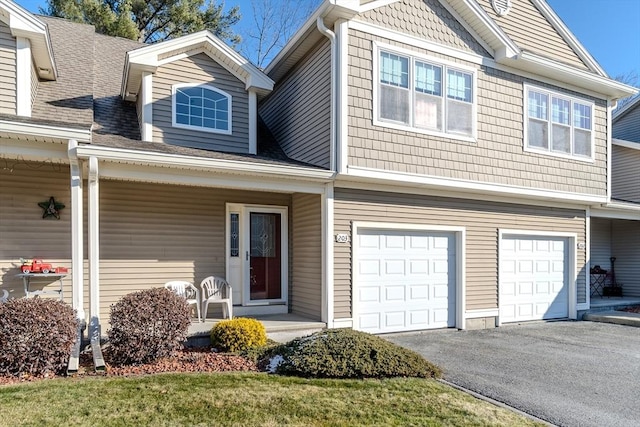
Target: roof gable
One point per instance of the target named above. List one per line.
(24, 24)
(148, 58)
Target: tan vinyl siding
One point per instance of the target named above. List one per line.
(482, 221)
(497, 156)
(627, 127)
(306, 253)
(23, 231)
(624, 244)
(7, 71)
(426, 19)
(151, 234)
(298, 111)
(199, 69)
(601, 229)
(34, 83)
(531, 31)
(625, 174)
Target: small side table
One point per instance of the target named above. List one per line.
(26, 281)
(598, 282)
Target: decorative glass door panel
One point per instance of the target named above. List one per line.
(265, 254)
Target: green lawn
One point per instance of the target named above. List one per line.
(243, 400)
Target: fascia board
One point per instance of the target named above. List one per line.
(479, 187)
(190, 162)
(531, 62)
(568, 36)
(45, 131)
(626, 144)
(502, 45)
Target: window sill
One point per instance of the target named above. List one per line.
(398, 126)
(559, 155)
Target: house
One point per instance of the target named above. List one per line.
(400, 165)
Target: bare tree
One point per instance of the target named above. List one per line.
(274, 22)
(630, 78)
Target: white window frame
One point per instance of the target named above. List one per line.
(572, 99)
(445, 65)
(175, 124)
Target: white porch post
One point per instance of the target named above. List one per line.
(327, 255)
(94, 249)
(77, 267)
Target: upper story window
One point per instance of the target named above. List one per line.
(425, 95)
(201, 107)
(558, 124)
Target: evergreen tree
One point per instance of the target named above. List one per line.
(149, 21)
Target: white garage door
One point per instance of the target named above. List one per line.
(533, 278)
(404, 280)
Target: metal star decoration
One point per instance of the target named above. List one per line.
(51, 208)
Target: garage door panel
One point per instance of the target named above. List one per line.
(537, 288)
(413, 272)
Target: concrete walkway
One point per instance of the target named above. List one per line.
(613, 316)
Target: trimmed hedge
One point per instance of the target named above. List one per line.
(147, 325)
(239, 334)
(345, 353)
(36, 336)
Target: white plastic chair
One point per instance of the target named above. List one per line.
(216, 290)
(187, 291)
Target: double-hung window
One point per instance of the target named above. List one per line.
(424, 95)
(201, 107)
(558, 124)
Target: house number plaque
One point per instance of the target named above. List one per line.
(342, 238)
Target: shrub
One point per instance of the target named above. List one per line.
(147, 325)
(36, 336)
(345, 353)
(238, 334)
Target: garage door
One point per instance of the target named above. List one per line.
(533, 278)
(404, 280)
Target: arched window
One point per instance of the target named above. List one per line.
(201, 107)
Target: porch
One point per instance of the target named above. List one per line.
(280, 327)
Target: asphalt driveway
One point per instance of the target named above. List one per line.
(567, 373)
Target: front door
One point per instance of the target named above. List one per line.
(265, 256)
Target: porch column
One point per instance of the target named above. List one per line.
(94, 250)
(77, 267)
(327, 255)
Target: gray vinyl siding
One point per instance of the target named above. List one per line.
(531, 31)
(624, 243)
(625, 173)
(7, 71)
(23, 231)
(627, 127)
(199, 69)
(498, 155)
(152, 233)
(298, 111)
(482, 221)
(306, 252)
(425, 19)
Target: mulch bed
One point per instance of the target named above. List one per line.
(634, 309)
(187, 360)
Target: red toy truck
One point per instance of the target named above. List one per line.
(38, 266)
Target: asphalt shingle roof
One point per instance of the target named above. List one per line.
(86, 95)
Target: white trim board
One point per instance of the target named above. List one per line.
(460, 251)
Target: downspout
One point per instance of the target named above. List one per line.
(327, 197)
(77, 267)
(94, 264)
(334, 101)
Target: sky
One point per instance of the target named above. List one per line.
(608, 29)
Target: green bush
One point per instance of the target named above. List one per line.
(345, 353)
(239, 334)
(36, 336)
(147, 325)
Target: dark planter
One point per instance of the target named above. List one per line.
(612, 291)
